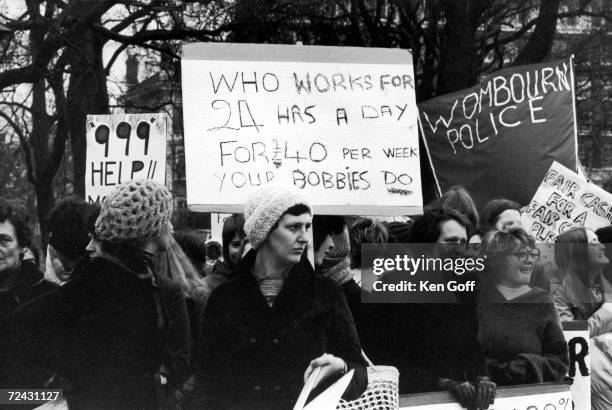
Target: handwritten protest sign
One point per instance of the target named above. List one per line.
(499, 137)
(547, 396)
(565, 200)
(577, 338)
(124, 147)
(338, 123)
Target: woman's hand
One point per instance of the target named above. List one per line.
(330, 365)
(485, 392)
(465, 393)
(473, 396)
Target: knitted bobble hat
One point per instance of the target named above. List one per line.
(265, 207)
(136, 210)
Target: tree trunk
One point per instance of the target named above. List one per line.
(46, 201)
(540, 43)
(457, 54)
(87, 94)
(39, 140)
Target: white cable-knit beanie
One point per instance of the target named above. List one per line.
(136, 210)
(265, 207)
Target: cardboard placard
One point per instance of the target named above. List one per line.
(122, 147)
(577, 338)
(338, 123)
(565, 200)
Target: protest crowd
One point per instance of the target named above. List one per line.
(305, 300)
(126, 315)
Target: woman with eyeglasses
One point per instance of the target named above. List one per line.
(518, 327)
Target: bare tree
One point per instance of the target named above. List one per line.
(56, 57)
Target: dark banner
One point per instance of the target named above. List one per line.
(500, 137)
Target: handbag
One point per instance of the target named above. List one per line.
(382, 392)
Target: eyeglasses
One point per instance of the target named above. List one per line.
(524, 254)
(596, 244)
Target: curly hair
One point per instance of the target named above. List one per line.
(497, 245)
(365, 230)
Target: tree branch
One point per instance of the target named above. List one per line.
(47, 49)
(540, 42)
(27, 148)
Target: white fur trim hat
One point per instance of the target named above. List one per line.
(265, 207)
(136, 210)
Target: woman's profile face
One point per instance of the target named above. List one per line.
(324, 249)
(289, 240)
(234, 249)
(597, 258)
(508, 220)
(93, 248)
(519, 266)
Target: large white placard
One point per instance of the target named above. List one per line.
(122, 147)
(339, 123)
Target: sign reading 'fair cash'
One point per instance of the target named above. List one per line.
(338, 123)
(565, 200)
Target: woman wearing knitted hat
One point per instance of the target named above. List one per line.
(266, 330)
(118, 324)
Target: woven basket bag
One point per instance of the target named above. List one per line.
(382, 392)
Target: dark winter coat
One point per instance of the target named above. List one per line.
(254, 357)
(29, 285)
(221, 273)
(363, 314)
(110, 332)
(521, 338)
(428, 342)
